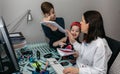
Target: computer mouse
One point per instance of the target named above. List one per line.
(64, 63)
(49, 55)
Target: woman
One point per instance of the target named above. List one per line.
(51, 32)
(94, 51)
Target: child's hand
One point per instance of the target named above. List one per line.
(76, 54)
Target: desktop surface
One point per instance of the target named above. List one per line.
(33, 57)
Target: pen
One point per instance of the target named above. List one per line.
(46, 65)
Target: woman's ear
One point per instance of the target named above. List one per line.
(47, 14)
(87, 25)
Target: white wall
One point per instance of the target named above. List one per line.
(68, 9)
(0, 7)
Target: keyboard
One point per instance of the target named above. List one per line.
(44, 49)
(56, 65)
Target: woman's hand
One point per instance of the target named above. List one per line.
(61, 44)
(71, 38)
(71, 70)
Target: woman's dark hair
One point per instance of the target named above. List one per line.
(46, 7)
(96, 28)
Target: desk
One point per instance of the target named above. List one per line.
(26, 61)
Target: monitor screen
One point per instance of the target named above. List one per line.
(6, 46)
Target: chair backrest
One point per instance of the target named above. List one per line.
(115, 68)
(115, 48)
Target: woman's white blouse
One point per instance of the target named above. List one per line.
(93, 57)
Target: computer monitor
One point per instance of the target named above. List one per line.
(7, 47)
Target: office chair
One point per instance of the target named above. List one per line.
(115, 48)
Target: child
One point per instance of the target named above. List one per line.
(51, 32)
(75, 30)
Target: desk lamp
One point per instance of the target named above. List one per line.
(27, 14)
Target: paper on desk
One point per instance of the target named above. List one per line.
(64, 53)
(54, 24)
